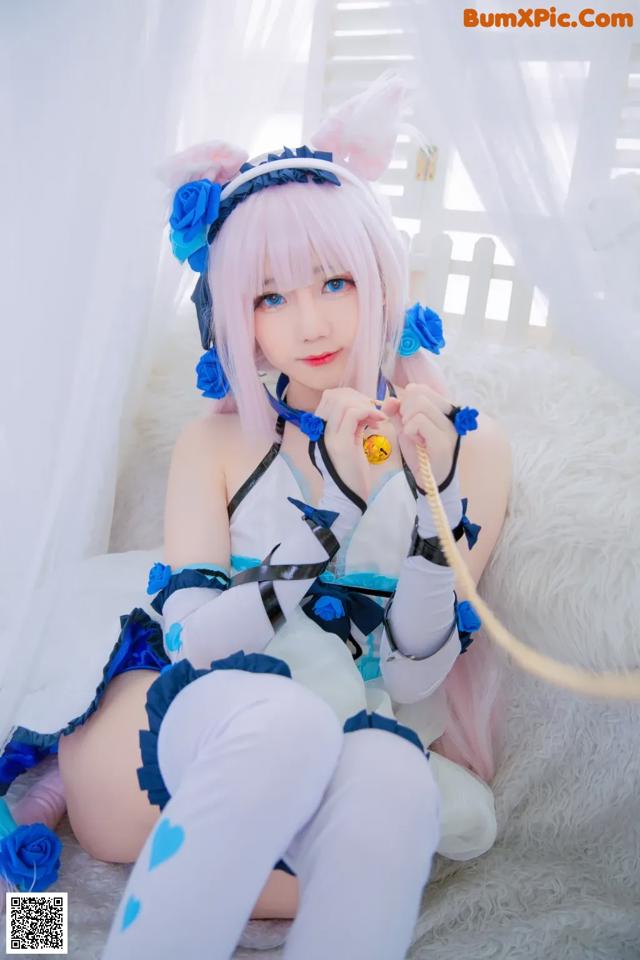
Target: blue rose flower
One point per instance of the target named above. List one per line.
(195, 205)
(30, 850)
(159, 577)
(465, 420)
(183, 249)
(198, 260)
(212, 380)
(422, 328)
(328, 608)
(311, 425)
(409, 342)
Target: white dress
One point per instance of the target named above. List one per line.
(81, 612)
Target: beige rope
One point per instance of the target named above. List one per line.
(622, 686)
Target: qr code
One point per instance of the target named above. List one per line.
(36, 923)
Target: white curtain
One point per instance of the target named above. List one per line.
(94, 96)
(534, 115)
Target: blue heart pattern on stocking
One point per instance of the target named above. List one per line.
(167, 840)
(131, 911)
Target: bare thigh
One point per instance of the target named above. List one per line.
(109, 814)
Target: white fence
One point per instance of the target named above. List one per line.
(432, 265)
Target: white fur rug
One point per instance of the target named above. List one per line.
(563, 879)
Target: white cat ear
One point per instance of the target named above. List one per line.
(361, 133)
(215, 160)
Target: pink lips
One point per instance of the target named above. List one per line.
(324, 358)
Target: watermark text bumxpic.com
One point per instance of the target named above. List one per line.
(545, 17)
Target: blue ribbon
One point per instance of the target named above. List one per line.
(358, 607)
(323, 517)
(471, 530)
(308, 423)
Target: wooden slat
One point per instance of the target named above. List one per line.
(479, 279)
(518, 325)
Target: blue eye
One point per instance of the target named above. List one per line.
(337, 280)
(272, 296)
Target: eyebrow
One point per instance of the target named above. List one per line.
(270, 280)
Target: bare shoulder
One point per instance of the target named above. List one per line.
(212, 440)
(196, 528)
(494, 439)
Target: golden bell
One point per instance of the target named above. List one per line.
(376, 447)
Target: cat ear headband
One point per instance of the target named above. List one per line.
(210, 179)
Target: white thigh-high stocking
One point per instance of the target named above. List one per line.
(246, 758)
(364, 858)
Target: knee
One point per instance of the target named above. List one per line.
(270, 713)
(398, 786)
(300, 727)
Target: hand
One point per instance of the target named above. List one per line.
(346, 412)
(421, 412)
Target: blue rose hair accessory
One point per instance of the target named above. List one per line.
(422, 328)
(195, 206)
(212, 380)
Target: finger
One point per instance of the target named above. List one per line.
(355, 418)
(333, 402)
(418, 402)
(443, 403)
(419, 427)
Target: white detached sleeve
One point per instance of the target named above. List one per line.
(420, 640)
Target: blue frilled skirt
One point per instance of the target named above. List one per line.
(140, 646)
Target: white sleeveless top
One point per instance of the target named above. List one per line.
(261, 516)
(77, 616)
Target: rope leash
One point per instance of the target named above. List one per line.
(620, 686)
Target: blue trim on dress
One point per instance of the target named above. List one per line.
(364, 719)
(358, 578)
(138, 647)
(218, 580)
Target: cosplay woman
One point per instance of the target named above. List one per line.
(260, 749)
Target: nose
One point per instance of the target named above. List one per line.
(314, 325)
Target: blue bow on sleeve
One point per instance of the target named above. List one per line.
(471, 530)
